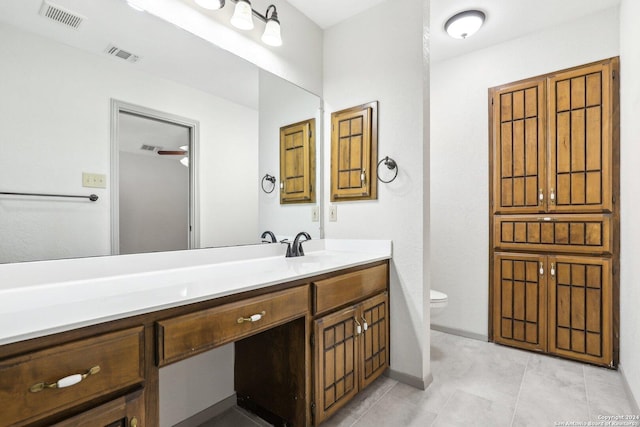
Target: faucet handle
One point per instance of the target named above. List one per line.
(289, 253)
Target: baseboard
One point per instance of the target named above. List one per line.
(460, 332)
(634, 403)
(210, 412)
(416, 382)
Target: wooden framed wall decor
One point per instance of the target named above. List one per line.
(354, 151)
(298, 162)
(554, 213)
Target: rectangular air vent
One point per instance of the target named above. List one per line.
(121, 53)
(61, 15)
(149, 147)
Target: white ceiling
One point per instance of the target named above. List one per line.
(506, 19)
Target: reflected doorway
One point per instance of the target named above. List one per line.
(153, 170)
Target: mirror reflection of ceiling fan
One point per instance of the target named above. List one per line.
(183, 151)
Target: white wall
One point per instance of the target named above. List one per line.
(459, 152)
(154, 203)
(630, 195)
(282, 104)
(298, 60)
(377, 55)
(55, 124)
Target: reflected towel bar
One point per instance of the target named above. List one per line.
(91, 197)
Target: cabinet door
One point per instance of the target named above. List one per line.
(336, 361)
(126, 411)
(580, 139)
(518, 139)
(580, 315)
(297, 162)
(374, 341)
(354, 147)
(519, 300)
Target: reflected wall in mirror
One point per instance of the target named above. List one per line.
(55, 124)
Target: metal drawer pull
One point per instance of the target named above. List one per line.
(541, 196)
(547, 218)
(66, 381)
(362, 175)
(541, 270)
(552, 196)
(358, 326)
(553, 269)
(365, 325)
(252, 318)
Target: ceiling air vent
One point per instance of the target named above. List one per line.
(61, 15)
(121, 53)
(149, 147)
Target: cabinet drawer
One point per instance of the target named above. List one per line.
(184, 336)
(346, 288)
(586, 233)
(119, 356)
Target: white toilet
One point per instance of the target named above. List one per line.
(438, 302)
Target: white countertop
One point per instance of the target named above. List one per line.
(42, 298)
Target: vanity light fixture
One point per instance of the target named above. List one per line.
(243, 18)
(464, 24)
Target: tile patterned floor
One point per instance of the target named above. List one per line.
(483, 384)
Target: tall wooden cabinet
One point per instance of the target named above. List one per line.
(554, 214)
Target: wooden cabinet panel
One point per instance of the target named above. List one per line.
(30, 388)
(375, 338)
(351, 351)
(519, 300)
(297, 162)
(580, 139)
(580, 316)
(183, 336)
(354, 152)
(519, 147)
(335, 362)
(580, 233)
(347, 288)
(126, 411)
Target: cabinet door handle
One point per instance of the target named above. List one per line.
(358, 326)
(365, 325)
(66, 381)
(540, 196)
(133, 422)
(541, 269)
(362, 175)
(552, 196)
(252, 318)
(553, 269)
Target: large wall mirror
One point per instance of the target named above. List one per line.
(56, 123)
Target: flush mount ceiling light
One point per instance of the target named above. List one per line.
(464, 24)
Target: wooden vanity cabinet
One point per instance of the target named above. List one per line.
(350, 344)
(126, 411)
(31, 384)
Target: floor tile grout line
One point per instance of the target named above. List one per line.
(524, 374)
(444, 406)
(586, 392)
(372, 406)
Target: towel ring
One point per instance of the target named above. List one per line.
(391, 165)
(272, 180)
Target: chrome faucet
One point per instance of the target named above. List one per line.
(297, 243)
(271, 235)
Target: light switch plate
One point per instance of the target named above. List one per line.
(315, 214)
(333, 213)
(94, 180)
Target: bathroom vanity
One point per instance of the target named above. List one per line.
(309, 332)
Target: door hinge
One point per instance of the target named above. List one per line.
(614, 199)
(312, 340)
(613, 74)
(313, 408)
(311, 187)
(614, 270)
(491, 101)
